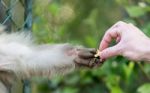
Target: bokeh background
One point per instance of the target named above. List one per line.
(84, 22)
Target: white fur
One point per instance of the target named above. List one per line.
(21, 56)
(3, 89)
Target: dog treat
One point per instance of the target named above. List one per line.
(97, 54)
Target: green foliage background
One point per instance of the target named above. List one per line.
(84, 22)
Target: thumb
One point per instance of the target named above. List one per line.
(110, 52)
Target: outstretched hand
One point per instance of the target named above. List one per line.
(86, 57)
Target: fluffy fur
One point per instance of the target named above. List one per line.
(19, 55)
(21, 58)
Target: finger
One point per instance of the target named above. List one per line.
(80, 61)
(85, 55)
(93, 62)
(110, 34)
(118, 39)
(110, 52)
(91, 50)
(87, 63)
(108, 37)
(86, 52)
(97, 63)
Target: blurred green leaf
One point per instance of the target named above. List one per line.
(145, 88)
(128, 69)
(83, 22)
(54, 8)
(148, 1)
(135, 11)
(70, 90)
(116, 89)
(112, 82)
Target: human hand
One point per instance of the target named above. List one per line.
(131, 42)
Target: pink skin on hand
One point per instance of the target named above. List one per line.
(131, 42)
(112, 33)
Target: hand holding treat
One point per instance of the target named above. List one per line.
(131, 43)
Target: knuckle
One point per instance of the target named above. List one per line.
(119, 23)
(131, 24)
(77, 60)
(92, 49)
